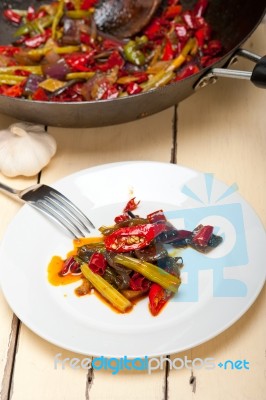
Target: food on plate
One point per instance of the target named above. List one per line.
(58, 53)
(132, 259)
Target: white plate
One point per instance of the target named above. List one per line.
(217, 288)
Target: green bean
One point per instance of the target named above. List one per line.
(11, 79)
(59, 14)
(150, 271)
(34, 26)
(79, 75)
(106, 290)
(37, 70)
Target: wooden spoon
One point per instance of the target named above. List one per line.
(124, 18)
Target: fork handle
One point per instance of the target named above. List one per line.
(8, 189)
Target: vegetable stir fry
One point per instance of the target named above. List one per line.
(131, 260)
(59, 55)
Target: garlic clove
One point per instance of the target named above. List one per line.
(25, 149)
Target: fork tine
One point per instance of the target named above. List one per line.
(68, 211)
(59, 218)
(72, 209)
(65, 213)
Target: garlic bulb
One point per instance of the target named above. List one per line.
(25, 149)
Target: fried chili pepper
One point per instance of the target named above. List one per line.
(40, 95)
(133, 237)
(79, 62)
(200, 7)
(172, 11)
(120, 218)
(158, 297)
(70, 267)
(12, 16)
(168, 52)
(156, 216)
(9, 51)
(35, 41)
(86, 4)
(139, 282)
(202, 236)
(98, 263)
(131, 205)
(133, 88)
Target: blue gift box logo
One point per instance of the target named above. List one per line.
(228, 222)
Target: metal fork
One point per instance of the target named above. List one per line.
(56, 206)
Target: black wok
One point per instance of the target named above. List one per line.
(233, 22)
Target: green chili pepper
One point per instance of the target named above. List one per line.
(36, 26)
(132, 52)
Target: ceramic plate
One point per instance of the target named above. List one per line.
(217, 288)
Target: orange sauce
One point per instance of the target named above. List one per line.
(56, 263)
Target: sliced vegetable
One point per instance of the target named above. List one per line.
(158, 297)
(98, 263)
(133, 237)
(106, 290)
(150, 271)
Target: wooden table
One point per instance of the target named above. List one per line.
(221, 129)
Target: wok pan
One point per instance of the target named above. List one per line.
(233, 21)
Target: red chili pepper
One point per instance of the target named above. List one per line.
(156, 216)
(158, 297)
(15, 90)
(203, 236)
(86, 4)
(172, 11)
(98, 263)
(85, 38)
(213, 48)
(181, 32)
(12, 16)
(40, 14)
(79, 62)
(131, 205)
(121, 218)
(168, 52)
(110, 93)
(141, 77)
(115, 60)
(9, 50)
(70, 267)
(35, 41)
(40, 95)
(139, 282)
(154, 30)
(187, 71)
(189, 19)
(31, 15)
(200, 7)
(133, 88)
(132, 237)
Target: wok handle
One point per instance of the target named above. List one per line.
(257, 76)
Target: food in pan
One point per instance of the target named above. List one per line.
(132, 259)
(58, 53)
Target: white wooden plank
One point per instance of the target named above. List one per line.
(9, 323)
